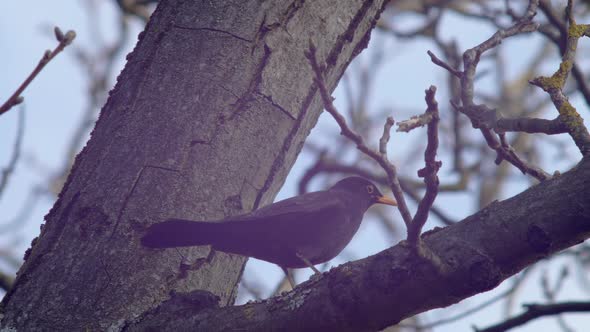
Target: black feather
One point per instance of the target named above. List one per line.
(180, 233)
(315, 225)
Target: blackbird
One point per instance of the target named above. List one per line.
(296, 232)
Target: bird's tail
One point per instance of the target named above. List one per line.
(181, 233)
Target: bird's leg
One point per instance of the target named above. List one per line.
(307, 262)
(289, 277)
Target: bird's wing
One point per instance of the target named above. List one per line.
(294, 220)
(273, 233)
(307, 204)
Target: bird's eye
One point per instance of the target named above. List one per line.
(370, 189)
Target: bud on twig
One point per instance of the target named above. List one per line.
(59, 35)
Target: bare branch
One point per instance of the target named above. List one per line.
(414, 122)
(445, 65)
(471, 59)
(385, 137)
(481, 306)
(554, 85)
(483, 117)
(429, 172)
(535, 311)
(380, 158)
(559, 37)
(531, 125)
(64, 40)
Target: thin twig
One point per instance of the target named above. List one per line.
(441, 63)
(554, 85)
(380, 158)
(463, 314)
(475, 112)
(534, 311)
(430, 170)
(551, 293)
(414, 122)
(386, 136)
(559, 38)
(451, 53)
(64, 40)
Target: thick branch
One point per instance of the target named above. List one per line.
(380, 290)
(531, 125)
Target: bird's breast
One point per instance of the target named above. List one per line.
(329, 237)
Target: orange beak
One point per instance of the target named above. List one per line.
(386, 200)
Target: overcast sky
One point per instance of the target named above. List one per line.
(55, 100)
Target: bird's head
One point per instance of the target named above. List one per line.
(364, 189)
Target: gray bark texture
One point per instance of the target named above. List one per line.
(472, 256)
(205, 121)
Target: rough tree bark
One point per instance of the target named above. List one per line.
(205, 121)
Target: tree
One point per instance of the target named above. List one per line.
(185, 129)
(205, 121)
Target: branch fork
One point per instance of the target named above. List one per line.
(429, 172)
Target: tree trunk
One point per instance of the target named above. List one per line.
(205, 121)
